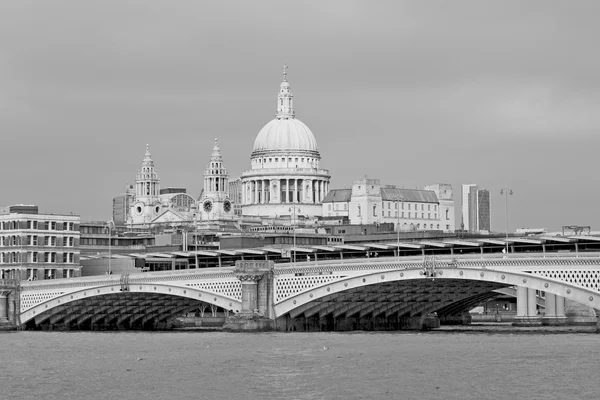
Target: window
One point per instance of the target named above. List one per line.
(428, 207)
(428, 215)
(28, 240)
(53, 257)
(46, 225)
(423, 215)
(359, 211)
(34, 257)
(409, 214)
(46, 256)
(402, 214)
(447, 227)
(447, 215)
(65, 257)
(35, 240)
(46, 240)
(374, 210)
(389, 213)
(28, 224)
(438, 226)
(52, 240)
(389, 205)
(345, 206)
(329, 207)
(409, 206)
(71, 241)
(35, 225)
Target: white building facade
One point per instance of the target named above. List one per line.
(285, 177)
(368, 202)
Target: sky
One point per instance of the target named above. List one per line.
(501, 94)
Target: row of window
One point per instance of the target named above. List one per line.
(35, 240)
(406, 226)
(36, 257)
(32, 274)
(410, 215)
(336, 206)
(430, 207)
(264, 160)
(38, 225)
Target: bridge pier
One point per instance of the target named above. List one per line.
(4, 306)
(257, 282)
(527, 314)
(555, 310)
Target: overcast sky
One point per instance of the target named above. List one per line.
(502, 93)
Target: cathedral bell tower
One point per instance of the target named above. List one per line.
(215, 203)
(146, 205)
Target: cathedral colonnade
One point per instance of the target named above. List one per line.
(284, 190)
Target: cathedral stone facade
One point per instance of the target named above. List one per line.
(284, 177)
(285, 181)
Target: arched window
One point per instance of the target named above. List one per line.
(447, 214)
(359, 211)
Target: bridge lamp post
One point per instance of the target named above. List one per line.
(293, 211)
(398, 201)
(109, 225)
(506, 192)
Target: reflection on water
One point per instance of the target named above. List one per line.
(218, 365)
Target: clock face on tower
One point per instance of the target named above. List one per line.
(227, 205)
(207, 206)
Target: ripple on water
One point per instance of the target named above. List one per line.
(218, 365)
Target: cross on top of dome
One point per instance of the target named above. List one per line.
(285, 72)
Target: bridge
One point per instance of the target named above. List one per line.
(381, 293)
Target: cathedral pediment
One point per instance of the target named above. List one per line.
(169, 216)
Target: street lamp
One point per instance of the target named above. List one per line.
(398, 200)
(506, 192)
(109, 225)
(293, 210)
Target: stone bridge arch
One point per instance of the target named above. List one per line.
(330, 298)
(118, 303)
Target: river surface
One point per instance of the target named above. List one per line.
(358, 365)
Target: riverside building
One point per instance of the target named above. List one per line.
(38, 246)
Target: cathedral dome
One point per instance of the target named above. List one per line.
(283, 135)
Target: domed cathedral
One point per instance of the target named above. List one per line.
(147, 204)
(284, 166)
(214, 201)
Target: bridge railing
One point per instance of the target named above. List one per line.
(444, 258)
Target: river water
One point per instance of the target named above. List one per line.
(358, 365)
